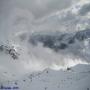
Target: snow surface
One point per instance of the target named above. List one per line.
(45, 44)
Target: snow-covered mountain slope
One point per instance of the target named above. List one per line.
(43, 47)
(57, 51)
(77, 78)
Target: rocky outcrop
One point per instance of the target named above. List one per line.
(10, 51)
(58, 41)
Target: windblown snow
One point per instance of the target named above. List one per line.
(45, 44)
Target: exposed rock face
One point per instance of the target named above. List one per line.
(58, 41)
(9, 50)
(82, 35)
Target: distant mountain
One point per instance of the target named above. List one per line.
(58, 41)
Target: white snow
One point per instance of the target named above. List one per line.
(40, 68)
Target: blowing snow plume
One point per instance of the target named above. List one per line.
(55, 50)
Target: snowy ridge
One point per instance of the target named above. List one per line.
(45, 52)
(55, 80)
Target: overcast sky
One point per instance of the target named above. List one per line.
(37, 7)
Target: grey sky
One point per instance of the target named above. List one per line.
(37, 7)
(85, 9)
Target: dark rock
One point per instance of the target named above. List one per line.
(82, 35)
(68, 69)
(9, 50)
(71, 41)
(16, 83)
(88, 89)
(24, 80)
(1, 48)
(62, 46)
